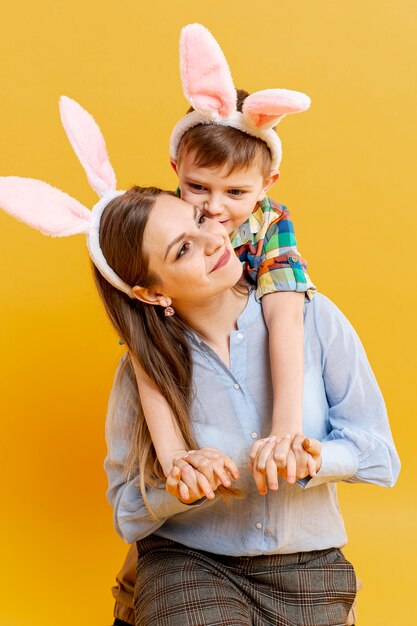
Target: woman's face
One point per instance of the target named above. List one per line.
(190, 253)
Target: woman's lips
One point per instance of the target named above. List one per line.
(222, 260)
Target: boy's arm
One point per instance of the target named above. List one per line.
(166, 438)
(283, 313)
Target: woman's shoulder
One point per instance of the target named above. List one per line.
(324, 317)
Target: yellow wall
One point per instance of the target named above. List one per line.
(349, 178)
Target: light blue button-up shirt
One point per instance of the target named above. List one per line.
(343, 407)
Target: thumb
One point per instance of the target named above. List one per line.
(312, 446)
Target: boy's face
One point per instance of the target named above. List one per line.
(228, 198)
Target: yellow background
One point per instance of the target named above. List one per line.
(349, 178)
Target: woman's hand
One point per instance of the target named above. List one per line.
(291, 458)
(201, 473)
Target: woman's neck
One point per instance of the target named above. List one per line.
(216, 318)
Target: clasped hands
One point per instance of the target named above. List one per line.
(196, 474)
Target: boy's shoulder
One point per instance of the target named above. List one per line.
(266, 213)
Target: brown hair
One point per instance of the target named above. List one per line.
(214, 146)
(159, 345)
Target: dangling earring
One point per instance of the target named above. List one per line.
(169, 311)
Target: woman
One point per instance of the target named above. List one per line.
(250, 560)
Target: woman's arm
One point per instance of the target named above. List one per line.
(359, 446)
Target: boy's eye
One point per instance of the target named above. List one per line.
(236, 192)
(196, 187)
(185, 246)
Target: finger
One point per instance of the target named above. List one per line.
(272, 474)
(301, 456)
(311, 464)
(231, 467)
(188, 474)
(260, 481)
(221, 474)
(264, 453)
(202, 464)
(255, 448)
(312, 446)
(172, 481)
(184, 491)
(291, 467)
(205, 487)
(281, 451)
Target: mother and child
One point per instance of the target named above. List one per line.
(244, 396)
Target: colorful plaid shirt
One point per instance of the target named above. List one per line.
(267, 247)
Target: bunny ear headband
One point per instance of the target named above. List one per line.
(54, 212)
(208, 87)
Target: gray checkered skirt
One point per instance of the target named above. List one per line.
(180, 586)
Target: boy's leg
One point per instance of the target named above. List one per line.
(124, 588)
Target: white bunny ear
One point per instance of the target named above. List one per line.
(205, 74)
(264, 109)
(43, 207)
(88, 143)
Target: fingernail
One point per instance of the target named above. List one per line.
(227, 483)
(291, 479)
(274, 486)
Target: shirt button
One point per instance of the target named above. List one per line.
(239, 336)
(254, 435)
(236, 386)
(293, 258)
(258, 525)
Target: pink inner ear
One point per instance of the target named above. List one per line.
(264, 109)
(88, 143)
(43, 207)
(205, 74)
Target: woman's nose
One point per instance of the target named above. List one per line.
(214, 241)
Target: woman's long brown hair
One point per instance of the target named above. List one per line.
(158, 343)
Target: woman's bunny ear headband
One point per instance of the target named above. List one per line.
(55, 213)
(208, 87)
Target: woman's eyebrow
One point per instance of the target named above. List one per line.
(179, 237)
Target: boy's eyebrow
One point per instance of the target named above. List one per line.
(195, 180)
(179, 237)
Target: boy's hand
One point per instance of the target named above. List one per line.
(289, 458)
(202, 471)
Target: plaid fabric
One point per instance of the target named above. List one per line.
(178, 586)
(267, 247)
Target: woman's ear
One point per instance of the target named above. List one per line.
(268, 182)
(149, 296)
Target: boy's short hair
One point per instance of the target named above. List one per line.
(214, 146)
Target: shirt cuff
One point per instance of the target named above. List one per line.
(284, 279)
(339, 461)
(165, 505)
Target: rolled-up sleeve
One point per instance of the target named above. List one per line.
(281, 268)
(359, 446)
(132, 518)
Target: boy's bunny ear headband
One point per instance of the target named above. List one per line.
(208, 87)
(55, 213)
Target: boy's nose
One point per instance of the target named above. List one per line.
(212, 209)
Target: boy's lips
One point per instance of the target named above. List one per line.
(222, 260)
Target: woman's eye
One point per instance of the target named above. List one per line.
(201, 219)
(183, 250)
